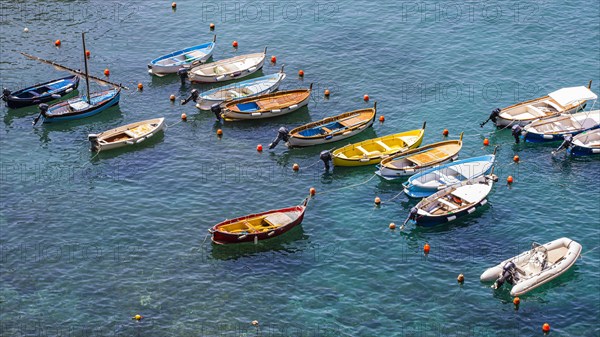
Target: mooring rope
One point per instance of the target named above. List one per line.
(350, 186)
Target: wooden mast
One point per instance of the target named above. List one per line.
(87, 79)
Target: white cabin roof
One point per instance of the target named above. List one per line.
(472, 193)
(568, 96)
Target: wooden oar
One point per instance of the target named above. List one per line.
(77, 72)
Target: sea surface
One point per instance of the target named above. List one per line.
(88, 241)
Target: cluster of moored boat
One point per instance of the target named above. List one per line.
(449, 188)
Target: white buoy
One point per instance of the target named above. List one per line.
(26, 30)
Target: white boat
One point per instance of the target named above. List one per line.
(126, 135)
(535, 267)
(565, 100)
(584, 144)
(555, 128)
(228, 69)
(184, 58)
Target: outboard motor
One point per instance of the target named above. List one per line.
(516, 132)
(193, 97)
(216, 109)
(93, 138)
(282, 134)
(43, 109)
(5, 94)
(566, 143)
(411, 216)
(325, 156)
(492, 117)
(183, 74)
(509, 274)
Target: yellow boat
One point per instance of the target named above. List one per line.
(372, 151)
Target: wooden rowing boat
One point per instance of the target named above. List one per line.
(333, 128)
(260, 226)
(565, 100)
(184, 58)
(41, 92)
(229, 69)
(126, 135)
(80, 107)
(555, 128)
(419, 159)
(265, 106)
(372, 151)
(585, 144)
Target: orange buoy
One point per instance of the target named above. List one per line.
(219, 132)
(295, 167)
(259, 148)
(381, 118)
(516, 301)
(172, 98)
(174, 5)
(426, 248)
(183, 116)
(546, 328)
(106, 72)
(140, 86)
(312, 191)
(516, 158)
(445, 132)
(366, 98)
(486, 142)
(88, 54)
(377, 201)
(235, 44)
(273, 59)
(301, 73)
(392, 226)
(212, 26)
(327, 93)
(138, 317)
(460, 278)
(509, 180)
(57, 43)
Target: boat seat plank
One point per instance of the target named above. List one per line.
(278, 219)
(326, 129)
(276, 102)
(447, 203)
(427, 157)
(351, 121)
(361, 149)
(384, 145)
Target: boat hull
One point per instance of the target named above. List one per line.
(91, 111)
(503, 122)
(63, 86)
(305, 142)
(98, 145)
(205, 49)
(585, 144)
(430, 221)
(392, 174)
(197, 77)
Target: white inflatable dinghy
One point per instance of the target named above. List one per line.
(535, 267)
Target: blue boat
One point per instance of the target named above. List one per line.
(555, 128)
(80, 107)
(41, 92)
(585, 144)
(184, 58)
(428, 182)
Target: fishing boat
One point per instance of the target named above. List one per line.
(584, 144)
(555, 128)
(328, 130)
(531, 269)
(229, 69)
(184, 58)
(265, 106)
(565, 100)
(87, 105)
(419, 159)
(424, 184)
(372, 151)
(126, 135)
(260, 226)
(41, 92)
(248, 88)
(453, 202)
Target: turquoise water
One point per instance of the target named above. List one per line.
(87, 242)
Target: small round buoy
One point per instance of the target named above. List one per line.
(301, 73)
(312, 191)
(57, 43)
(377, 201)
(546, 328)
(255, 322)
(460, 278)
(273, 59)
(516, 301)
(426, 248)
(183, 116)
(486, 142)
(88, 53)
(295, 167)
(259, 148)
(212, 26)
(174, 5)
(219, 132)
(381, 119)
(172, 98)
(26, 30)
(140, 86)
(327, 93)
(516, 158)
(445, 132)
(138, 317)
(392, 226)
(235, 44)
(106, 72)
(509, 180)
(366, 98)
